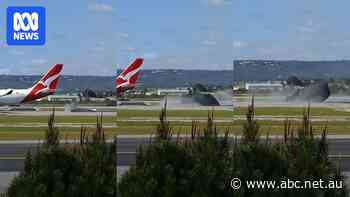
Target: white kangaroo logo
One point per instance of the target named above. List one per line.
(33, 21)
(47, 83)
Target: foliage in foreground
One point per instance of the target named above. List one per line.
(85, 169)
(203, 165)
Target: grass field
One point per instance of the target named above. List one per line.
(37, 133)
(186, 114)
(260, 111)
(9, 129)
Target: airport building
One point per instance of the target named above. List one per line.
(173, 91)
(263, 86)
(63, 98)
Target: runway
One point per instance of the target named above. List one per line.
(12, 153)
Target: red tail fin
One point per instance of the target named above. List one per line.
(128, 78)
(47, 84)
(50, 79)
(52, 76)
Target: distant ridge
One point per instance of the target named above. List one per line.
(249, 70)
(148, 79)
(281, 70)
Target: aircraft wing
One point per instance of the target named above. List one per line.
(5, 93)
(202, 99)
(225, 98)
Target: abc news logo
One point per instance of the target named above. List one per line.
(25, 25)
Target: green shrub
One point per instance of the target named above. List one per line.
(203, 164)
(85, 169)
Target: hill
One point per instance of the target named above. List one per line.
(281, 70)
(149, 78)
(248, 70)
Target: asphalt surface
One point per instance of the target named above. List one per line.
(12, 153)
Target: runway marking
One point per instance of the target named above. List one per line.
(125, 153)
(340, 156)
(23, 157)
(150, 136)
(12, 158)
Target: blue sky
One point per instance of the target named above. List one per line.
(90, 36)
(298, 29)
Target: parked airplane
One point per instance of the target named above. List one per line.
(128, 78)
(46, 86)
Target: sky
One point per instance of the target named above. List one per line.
(94, 37)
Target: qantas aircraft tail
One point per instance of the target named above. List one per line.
(128, 78)
(47, 84)
(50, 79)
